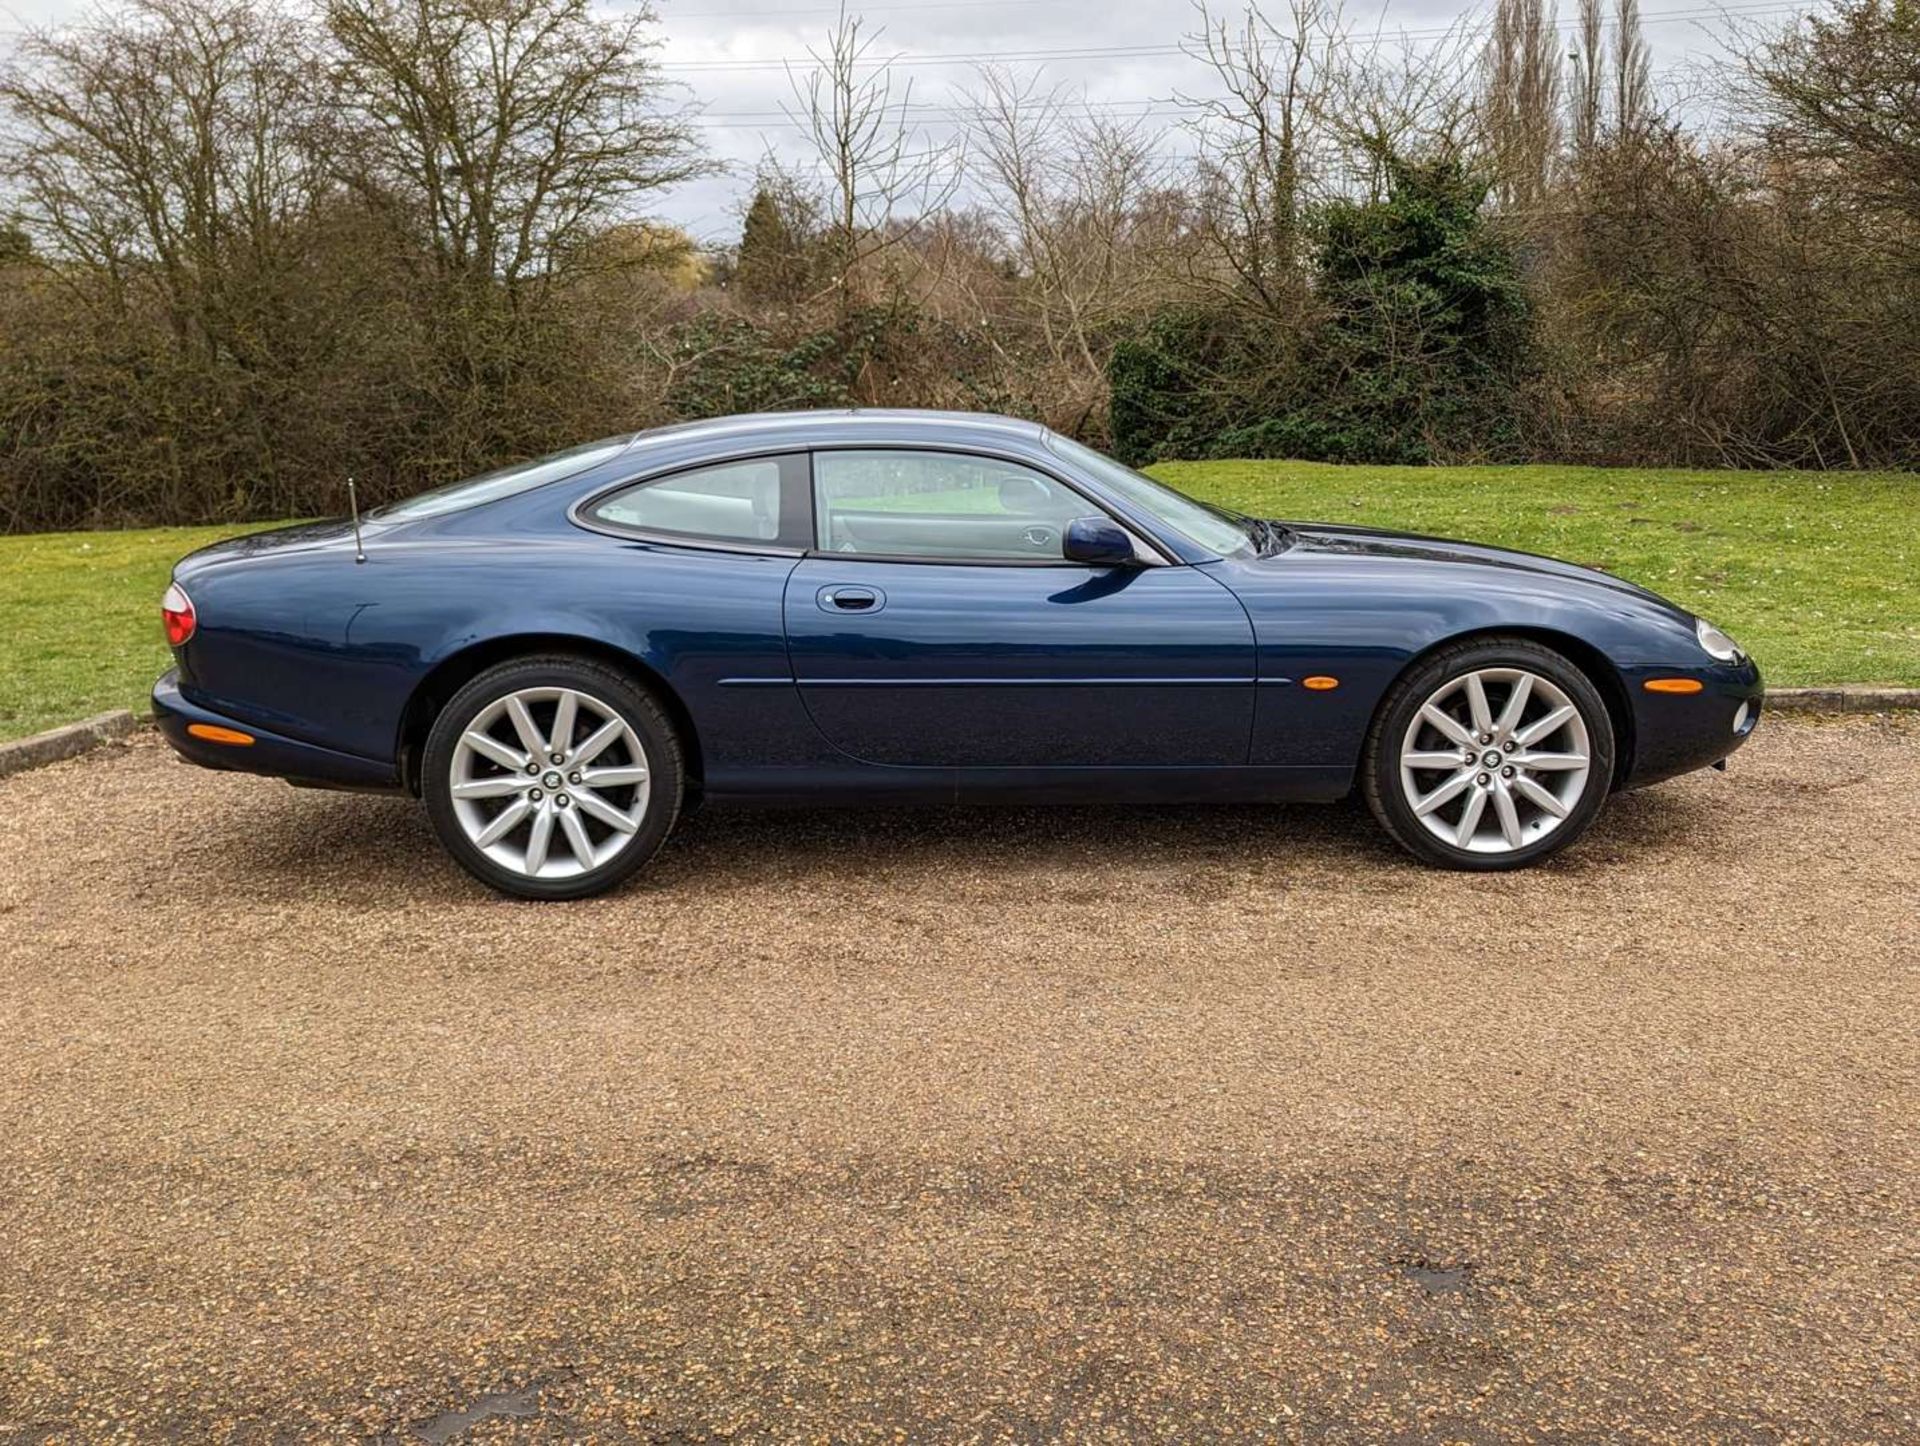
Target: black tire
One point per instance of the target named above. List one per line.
(1385, 791)
(664, 761)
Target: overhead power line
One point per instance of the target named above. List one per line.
(1130, 52)
(1120, 108)
(670, 13)
(956, 114)
(938, 114)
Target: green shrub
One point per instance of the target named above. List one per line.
(1164, 389)
(1417, 348)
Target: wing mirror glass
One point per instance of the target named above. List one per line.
(1098, 542)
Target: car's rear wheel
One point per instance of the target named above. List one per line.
(1490, 754)
(552, 777)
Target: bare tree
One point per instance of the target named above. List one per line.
(163, 163)
(503, 131)
(1522, 99)
(1632, 72)
(1391, 98)
(880, 176)
(165, 146)
(1587, 93)
(1066, 185)
(1262, 139)
(1837, 96)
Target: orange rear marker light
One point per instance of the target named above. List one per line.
(1320, 682)
(1673, 685)
(213, 733)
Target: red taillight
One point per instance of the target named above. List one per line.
(176, 611)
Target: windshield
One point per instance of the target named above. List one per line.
(1213, 528)
(488, 486)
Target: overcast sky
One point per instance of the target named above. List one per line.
(1119, 53)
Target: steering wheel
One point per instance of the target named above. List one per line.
(1041, 537)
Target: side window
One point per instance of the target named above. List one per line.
(731, 502)
(940, 505)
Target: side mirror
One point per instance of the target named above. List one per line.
(1098, 542)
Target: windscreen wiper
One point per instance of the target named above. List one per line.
(1270, 536)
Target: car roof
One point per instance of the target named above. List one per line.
(868, 425)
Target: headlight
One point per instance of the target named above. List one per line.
(1717, 643)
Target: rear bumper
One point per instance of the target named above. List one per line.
(269, 753)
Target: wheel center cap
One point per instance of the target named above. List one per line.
(1491, 758)
(552, 780)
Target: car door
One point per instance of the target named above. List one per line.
(937, 624)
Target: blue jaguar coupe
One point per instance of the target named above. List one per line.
(912, 607)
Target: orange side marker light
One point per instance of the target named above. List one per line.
(1320, 682)
(213, 733)
(1673, 685)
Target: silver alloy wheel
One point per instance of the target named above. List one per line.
(549, 782)
(1495, 760)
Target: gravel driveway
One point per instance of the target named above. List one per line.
(1154, 1124)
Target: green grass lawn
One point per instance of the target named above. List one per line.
(82, 613)
(1817, 573)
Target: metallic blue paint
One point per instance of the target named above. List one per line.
(1097, 541)
(1020, 681)
(973, 666)
(268, 753)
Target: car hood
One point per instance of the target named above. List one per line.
(1373, 542)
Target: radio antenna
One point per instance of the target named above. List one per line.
(353, 504)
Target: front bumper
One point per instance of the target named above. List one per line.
(271, 754)
(1675, 733)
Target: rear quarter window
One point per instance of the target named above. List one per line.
(750, 501)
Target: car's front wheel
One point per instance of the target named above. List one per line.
(552, 777)
(1490, 754)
